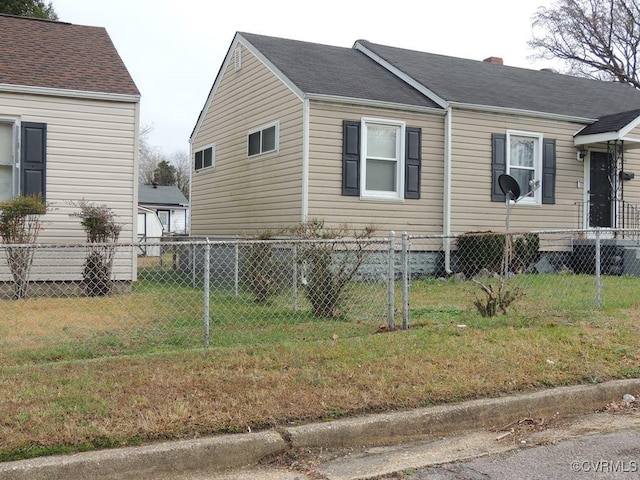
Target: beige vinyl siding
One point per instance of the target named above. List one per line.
(472, 208)
(91, 154)
(422, 216)
(241, 194)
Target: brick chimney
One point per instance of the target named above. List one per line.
(494, 60)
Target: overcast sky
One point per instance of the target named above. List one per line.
(174, 49)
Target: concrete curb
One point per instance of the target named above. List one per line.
(230, 452)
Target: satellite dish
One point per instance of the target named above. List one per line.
(509, 186)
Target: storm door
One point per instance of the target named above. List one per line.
(600, 190)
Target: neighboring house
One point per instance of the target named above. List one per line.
(149, 232)
(407, 140)
(69, 121)
(170, 205)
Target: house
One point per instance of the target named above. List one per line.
(149, 232)
(69, 121)
(169, 204)
(407, 140)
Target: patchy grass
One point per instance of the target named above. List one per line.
(551, 337)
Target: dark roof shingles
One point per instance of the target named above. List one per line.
(336, 71)
(610, 123)
(41, 53)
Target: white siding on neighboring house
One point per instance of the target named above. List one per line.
(91, 155)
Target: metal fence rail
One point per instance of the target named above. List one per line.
(236, 292)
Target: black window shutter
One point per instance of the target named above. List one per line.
(413, 161)
(33, 159)
(350, 158)
(549, 170)
(498, 164)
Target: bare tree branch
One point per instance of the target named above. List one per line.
(596, 38)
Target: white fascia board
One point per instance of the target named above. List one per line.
(624, 131)
(60, 92)
(401, 75)
(374, 103)
(281, 76)
(595, 138)
(522, 113)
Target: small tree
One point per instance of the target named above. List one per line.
(262, 270)
(328, 263)
(19, 228)
(102, 232)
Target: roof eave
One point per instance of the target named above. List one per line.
(60, 92)
(520, 112)
(373, 103)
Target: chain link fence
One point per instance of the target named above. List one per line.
(89, 301)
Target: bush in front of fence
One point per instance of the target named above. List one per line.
(98, 222)
(20, 225)
(328, 264)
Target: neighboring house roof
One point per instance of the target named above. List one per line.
(58, 55)
(161, 195)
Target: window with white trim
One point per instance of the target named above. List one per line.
(263, 140)
(524, 162)
(205, 158)
(382, 165)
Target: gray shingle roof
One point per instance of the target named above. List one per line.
(482, 83)
(161, 195)
(347, 72)
(43, 53)
(337, 71)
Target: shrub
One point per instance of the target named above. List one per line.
(98, 222)
(262, 268)
(478, 250)
(20, 225)
(328, 265)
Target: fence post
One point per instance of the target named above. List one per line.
(295, 277)
(405, 281)
(207, 268)
(236, 267)
(391, 284)
(598, 276)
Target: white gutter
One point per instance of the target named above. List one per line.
(374, 103)
(523, 113)
(305, 159)
(446, 221)
(59, 92)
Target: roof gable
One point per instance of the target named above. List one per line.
(57, 55)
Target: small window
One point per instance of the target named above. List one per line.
(264, 140)
(524, 162)
(205, 158)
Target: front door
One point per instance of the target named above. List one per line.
(600, 190)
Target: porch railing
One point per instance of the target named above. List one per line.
(627, 217)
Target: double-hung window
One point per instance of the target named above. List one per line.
(382, 166)
(263, 140)
(524, 163)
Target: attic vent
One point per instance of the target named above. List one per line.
(237, 59)
(494, 60)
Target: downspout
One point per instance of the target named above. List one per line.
(190, 209)
(446, 221)
(305, 160)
